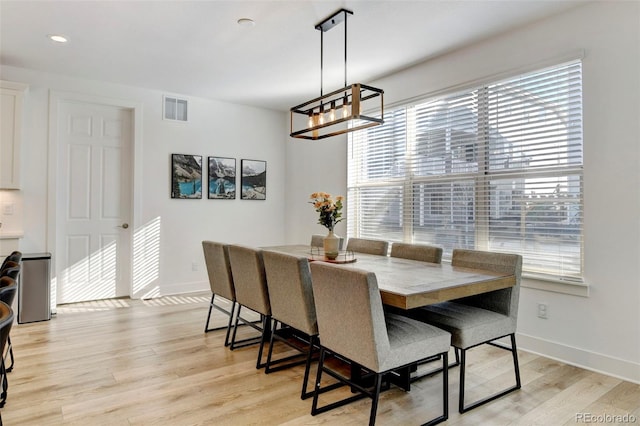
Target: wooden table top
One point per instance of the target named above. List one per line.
(408, 284)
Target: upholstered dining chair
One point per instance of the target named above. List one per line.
(6, 321)
(353, 325)
(480, 319)
(292, 305)
(15, 256)
(216, 257)
(11, 269)
(363, 245)
(317, 240)
(250, 282)
(8, 290)
(421, 252)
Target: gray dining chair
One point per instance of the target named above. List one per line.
(216, 257)
(353, 326)
(250, 282)
(482, 318)
(317, 240)
(363, 245)
(421, 252)
(292, 306)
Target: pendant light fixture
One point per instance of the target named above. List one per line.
(340, 111)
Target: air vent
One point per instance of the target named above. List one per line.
(175, 109)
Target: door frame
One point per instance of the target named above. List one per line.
(135, 109)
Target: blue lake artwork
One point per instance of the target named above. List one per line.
(222, 178)
(186, 176)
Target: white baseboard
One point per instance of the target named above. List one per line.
(593, 361)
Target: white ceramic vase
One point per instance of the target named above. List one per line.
(331, 245)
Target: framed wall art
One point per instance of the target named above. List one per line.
(222, 178)
(186, 176)
(254, 180)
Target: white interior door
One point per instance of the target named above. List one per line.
(93, 243)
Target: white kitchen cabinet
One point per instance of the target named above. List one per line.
(11, 112)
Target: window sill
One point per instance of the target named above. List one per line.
(555, 285)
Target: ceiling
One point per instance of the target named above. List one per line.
(197, 48)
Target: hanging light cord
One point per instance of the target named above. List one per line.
(321, 60)
(345, 49)
(322, 56)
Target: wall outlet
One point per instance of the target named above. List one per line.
(194, 266)
(543, 311)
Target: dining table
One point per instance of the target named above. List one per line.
(407, 283)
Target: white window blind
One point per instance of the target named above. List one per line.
(496, 167)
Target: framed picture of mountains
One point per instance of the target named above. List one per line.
(253, 180)
(222, 178)
(186, 176)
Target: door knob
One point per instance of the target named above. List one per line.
(124, 226)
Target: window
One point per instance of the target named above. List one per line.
(496, 167)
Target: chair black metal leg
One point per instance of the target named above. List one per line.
(206, 326)
(433, 372)
(307, 369)
(5, 384)
(248, 341)
(374, 399)
(316, 386)
(229, 325)
(463, 365)
(514, 352)
(10, 346)
(318, 390)
(266, 328)
(516, 365)
(235, 328)
(267, 365)
(445, 393)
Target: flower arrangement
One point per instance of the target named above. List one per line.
(329, 210)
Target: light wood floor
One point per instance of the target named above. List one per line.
(125, 362)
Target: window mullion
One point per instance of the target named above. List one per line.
(408, 198)
(481, 209)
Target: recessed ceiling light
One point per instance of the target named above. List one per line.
(246, 22)
(58, 38)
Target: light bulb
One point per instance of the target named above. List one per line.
(332, 111)
(310, 122)
(345, 107)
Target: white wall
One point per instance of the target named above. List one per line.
(313, 166)
(214, 129)
(601, 331)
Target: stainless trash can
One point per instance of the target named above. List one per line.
(34, 288)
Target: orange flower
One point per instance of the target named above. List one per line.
(329, 210)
